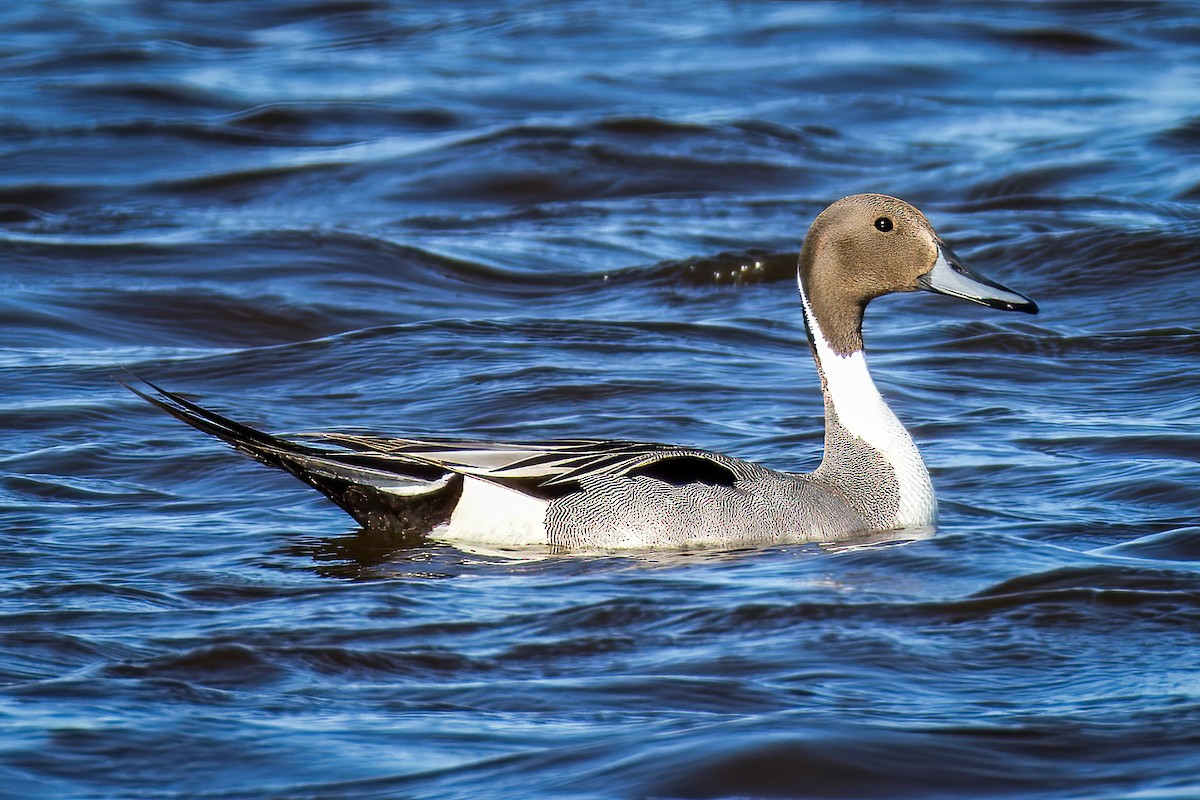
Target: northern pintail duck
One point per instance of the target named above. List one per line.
(590, 494)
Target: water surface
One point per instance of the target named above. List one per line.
(577, 219)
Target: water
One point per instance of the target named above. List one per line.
(552, 219)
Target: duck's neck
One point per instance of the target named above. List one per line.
(870, 459)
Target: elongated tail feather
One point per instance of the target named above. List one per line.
(380, 494)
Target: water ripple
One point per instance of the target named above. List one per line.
(538, 220)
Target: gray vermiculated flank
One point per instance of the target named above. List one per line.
(762, 506)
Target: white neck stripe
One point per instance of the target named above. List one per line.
(862, 411)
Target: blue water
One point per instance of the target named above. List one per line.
(527, 220)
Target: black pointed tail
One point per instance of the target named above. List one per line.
(380, 493)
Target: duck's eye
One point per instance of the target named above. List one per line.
(884, 224)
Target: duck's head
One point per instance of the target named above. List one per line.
(868, 245)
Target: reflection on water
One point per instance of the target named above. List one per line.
(535, 220)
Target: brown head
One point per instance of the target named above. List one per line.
(868, 245)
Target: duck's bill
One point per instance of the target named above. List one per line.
(951, 277)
